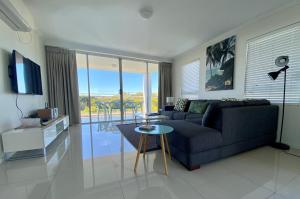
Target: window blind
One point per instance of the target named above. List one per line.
(262, 53)
(190, 79)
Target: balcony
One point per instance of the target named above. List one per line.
(108, 107)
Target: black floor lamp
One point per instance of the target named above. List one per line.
(282, 62)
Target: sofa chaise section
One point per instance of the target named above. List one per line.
(226, 128)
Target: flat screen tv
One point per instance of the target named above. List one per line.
(25, 75)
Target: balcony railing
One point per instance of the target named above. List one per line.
(108, 107)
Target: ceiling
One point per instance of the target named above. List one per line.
(176, 25)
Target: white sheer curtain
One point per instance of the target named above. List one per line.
(190, 83)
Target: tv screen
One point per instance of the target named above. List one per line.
(25, 75)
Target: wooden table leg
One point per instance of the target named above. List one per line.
(168, 147)
(138, 152)
(145, 145)
(163, 153)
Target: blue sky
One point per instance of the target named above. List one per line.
(107, 82)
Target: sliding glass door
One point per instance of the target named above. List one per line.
(134, 95)
(104, 88)
(101, 80)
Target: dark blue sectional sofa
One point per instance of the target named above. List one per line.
(226, 128)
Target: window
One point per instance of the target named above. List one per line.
(262, 53)
(190, 79)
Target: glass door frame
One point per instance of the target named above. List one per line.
(121, 88)
(121, 94)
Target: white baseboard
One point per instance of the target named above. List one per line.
(294, 152)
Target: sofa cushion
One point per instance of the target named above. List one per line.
(212, 117)
(198, 107)
(197, 121)
(187, 106)
(167, 113)
(209, 114)
(194, 116)
(177, 115)
(181, 104)
(229, 104)
(192, 138)
(256, 102)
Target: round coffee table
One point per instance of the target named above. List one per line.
(149, 117)
(160, 130)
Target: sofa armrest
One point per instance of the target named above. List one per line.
(242, 123)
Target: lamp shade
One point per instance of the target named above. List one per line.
(274, 75)
(282, 61)
(170, 100)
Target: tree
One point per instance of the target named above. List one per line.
(227, 49)
(220, 52)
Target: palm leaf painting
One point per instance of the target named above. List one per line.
(220, 65)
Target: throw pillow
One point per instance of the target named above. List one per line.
(180, 104)
(198, 107)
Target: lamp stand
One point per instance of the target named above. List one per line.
(280, 145)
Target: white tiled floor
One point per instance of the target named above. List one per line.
(89, 164)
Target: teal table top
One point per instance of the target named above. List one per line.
(159, 129)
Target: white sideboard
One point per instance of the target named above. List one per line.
(32, 141)
(40, 170)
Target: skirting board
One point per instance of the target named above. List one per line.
(294, 152)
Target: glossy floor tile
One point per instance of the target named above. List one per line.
(92, 161)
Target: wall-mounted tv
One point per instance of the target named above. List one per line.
(25, 75)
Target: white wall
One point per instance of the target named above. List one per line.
(261, 25)
(30, 46)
